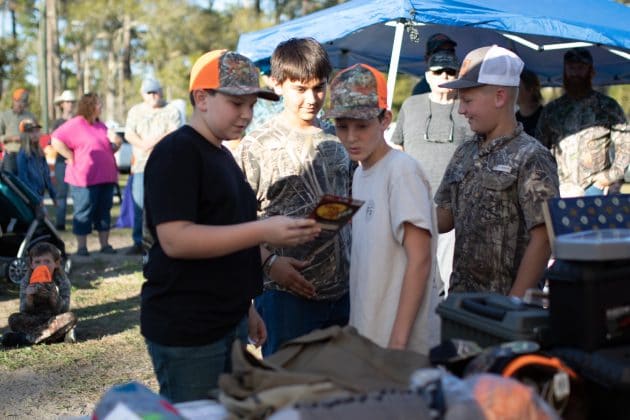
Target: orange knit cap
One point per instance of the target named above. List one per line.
(41, 274)
(18, 93)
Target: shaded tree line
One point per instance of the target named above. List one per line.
(109, 46)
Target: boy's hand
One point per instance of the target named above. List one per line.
(53, 295)
(257, 331)
(285, 272)
(288, 231)
(30, 299)
(31, 290)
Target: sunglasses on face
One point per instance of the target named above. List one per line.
(153, 92)
(449, 72)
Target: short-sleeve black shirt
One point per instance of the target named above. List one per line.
(191, 302)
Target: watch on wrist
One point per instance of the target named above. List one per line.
(268, 263)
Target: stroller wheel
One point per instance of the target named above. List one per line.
(67, 265)
(16, 270)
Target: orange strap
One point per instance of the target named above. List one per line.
(529, 359)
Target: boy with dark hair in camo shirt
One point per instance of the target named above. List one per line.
(290, 161)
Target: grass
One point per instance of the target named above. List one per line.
(50, 381)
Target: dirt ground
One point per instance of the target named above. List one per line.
(67, 380)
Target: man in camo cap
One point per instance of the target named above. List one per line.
(586, 131)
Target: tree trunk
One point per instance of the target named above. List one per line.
(123, 67)
(110, 83)
(87, 70)
(76, 57)
(53, 73)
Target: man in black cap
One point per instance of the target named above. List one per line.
(586, 131)
(436, 42)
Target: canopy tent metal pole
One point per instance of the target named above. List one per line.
(393, 62)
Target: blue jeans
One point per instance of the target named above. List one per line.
(191, 373)
(288, 316)
(137, 192)
(61, 188)
(593, 190)
(92, 206)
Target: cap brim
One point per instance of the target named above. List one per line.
(357, 113)
(247, 90)
(440, 67)
(460, 84)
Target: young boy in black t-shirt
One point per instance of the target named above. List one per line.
(204, 267)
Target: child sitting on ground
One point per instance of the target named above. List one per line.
(44, 315)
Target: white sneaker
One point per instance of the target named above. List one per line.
(70, 337)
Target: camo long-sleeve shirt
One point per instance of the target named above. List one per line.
(495, 193)
(61, 281)
(587, 137)
(289, 170)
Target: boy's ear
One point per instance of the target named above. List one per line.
(277, 86)
(501, 97)
(387, 119)
(199, 96)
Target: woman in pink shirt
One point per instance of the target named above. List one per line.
(91, 170)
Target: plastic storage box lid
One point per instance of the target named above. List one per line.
(594, 245)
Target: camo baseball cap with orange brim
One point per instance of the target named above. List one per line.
(228, 72)
(358, 92)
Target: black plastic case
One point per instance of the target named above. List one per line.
(590, 303)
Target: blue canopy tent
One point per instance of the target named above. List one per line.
(391, 34)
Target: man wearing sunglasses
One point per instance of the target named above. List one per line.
(429, 128)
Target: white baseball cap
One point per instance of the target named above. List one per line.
(150, 85)
(66, 96)
(492, 65)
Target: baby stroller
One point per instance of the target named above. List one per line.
(23, 223)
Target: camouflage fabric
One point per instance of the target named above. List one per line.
(9, 126)
(235, 70)
(149, 123)
(289, 170)
(496, 194)
(263, 111)
(61, 281)
(41, 328)
(582, 135)
(357, 92)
